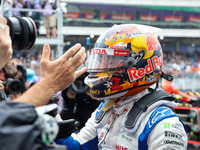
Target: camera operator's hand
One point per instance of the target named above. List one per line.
(5, 42)
(56, 75)
(1, 86)
(66, 128)
(14, 96)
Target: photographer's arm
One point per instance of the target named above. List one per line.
(1, 86)
(5, 42)
(56, 75)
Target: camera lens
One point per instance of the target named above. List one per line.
(23, 32)
(15, 87)
(12, 86)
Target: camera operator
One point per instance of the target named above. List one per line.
(9, 71)
(7, 74)
(78, 103)
(23, 77)
(63, 74)
(52, 81)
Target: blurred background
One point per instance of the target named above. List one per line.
(84, 20)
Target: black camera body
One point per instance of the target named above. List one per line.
(12, 86)
(23, 32)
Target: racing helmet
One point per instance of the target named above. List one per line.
(126, 59)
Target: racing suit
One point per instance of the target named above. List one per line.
(158, 129)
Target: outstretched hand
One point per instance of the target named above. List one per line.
(56, 75)
(61, 73)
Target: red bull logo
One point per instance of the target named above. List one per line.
(135, 74)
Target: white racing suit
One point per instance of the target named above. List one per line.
(159, 128)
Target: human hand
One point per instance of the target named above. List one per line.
(60, 73)
(5, 42)
(14, 96)
(1, 86)
(66, 128)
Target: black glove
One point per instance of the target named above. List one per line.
(66, 128)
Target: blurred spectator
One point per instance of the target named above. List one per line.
(34, 63)
(10, 71)
(31, 79)
(21, 68)
(180, 65)
(169, 87)
(6, 8)
(35, 4)
(20, 4)
(49, 18)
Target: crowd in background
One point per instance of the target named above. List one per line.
(47, 17)
(182, 65)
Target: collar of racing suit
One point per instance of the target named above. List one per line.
(124, 105)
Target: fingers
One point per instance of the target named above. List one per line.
(3, 19)
(80, 72)
(46, 52)
(1, 86)
(78, 58)
(72, 51)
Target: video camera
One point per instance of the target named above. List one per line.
(12, 86)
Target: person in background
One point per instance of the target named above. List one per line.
(35, 4)
(20, 4)
(9, 71)
(169, 87)
(34, 128)
(23, 77)
(78, 103)
(31, 78)
(51, 82)
(49, 18)
(6, 8)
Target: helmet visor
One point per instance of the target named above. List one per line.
(103, 63)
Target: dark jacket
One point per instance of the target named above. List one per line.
(79, 108)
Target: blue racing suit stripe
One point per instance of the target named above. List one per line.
(75, 145)
(159, 114)
(99, 109)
